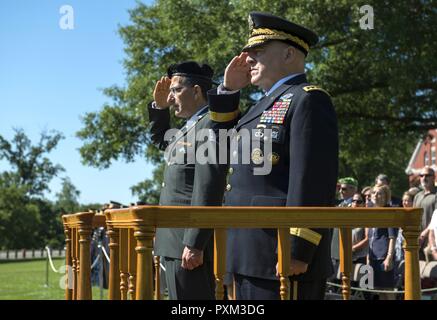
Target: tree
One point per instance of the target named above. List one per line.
(67, 200)
(30, 168)
(382, 80)
(18, 218)
(27, 220)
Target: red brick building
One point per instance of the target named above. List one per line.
(423, 155)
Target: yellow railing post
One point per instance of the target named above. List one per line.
(412, 272)
(114, 270)
(85, 262)
(68, 262)
(284, 260)
(219, 261)
(123, 262)
(132, 264)
(157, 278)
(345, 239)
(144, 236)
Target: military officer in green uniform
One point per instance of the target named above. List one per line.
(188, 252)
(303, 157)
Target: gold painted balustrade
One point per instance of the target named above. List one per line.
(78, 228)
(131, 231)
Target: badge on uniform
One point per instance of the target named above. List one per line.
(273, 158)
(277, 134)
(257, 156)
(278, 111)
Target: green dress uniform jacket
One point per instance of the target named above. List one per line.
(186, 183)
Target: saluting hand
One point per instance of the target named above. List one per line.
(237, 73)
(161, 93)
(191, 258)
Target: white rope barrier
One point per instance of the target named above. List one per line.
(105, 253)
(378, 291)
(52, 266)
(49, 255)
(95, 261)
(162, 267)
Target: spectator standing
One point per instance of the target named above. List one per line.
(382, 246)
(360, 239)
(348, 187)
(426, 199)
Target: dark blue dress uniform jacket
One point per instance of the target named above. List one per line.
(304, 173)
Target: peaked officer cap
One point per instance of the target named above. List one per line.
(265, 27)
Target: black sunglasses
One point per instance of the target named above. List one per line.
(426, 175)
(357, 201)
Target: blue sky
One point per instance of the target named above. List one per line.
(49, 77)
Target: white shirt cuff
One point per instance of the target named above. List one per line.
(221, 90)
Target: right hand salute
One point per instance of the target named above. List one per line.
(237, 73)
(161, 93)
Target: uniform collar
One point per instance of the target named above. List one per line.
(283, 80)
(199, 113)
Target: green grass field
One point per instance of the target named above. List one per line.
(26, 281)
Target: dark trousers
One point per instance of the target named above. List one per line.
(308, 290)
(183, 284)
(250, 288)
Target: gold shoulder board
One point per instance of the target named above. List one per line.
(311, 88)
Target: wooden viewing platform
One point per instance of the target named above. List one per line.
(131, 231)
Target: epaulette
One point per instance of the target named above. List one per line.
(312, 88)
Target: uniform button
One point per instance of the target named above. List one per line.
(163, 184)
(231, 170)
(228, 187)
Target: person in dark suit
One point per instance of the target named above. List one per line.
(303, 157)
(187, 252)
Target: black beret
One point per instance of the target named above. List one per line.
(191, 69)
(265, 27)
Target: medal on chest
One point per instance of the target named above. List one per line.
(277, 113)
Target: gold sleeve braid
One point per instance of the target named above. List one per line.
(224, 116)
(307, 234)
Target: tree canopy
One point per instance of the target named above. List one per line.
(31, 169)
(382, 80)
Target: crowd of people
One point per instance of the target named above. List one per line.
(381, 248)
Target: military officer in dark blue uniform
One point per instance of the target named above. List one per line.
(187, 252)
(303, 157)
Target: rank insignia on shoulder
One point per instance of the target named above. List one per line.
(312, 88)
